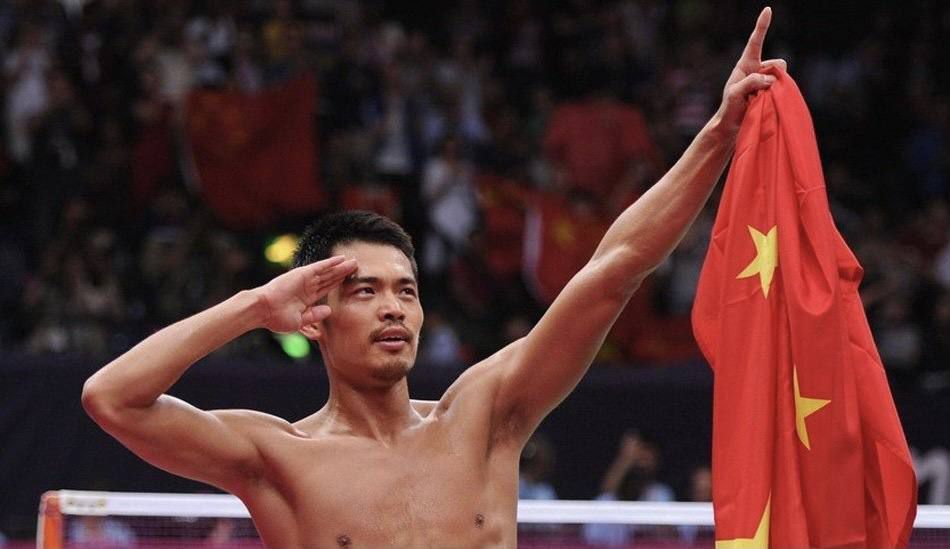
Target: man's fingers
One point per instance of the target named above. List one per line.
(333, 270)
(753, 49)
(318, 269)
(314, 314)
(321, 281)
(341, 269)
(749, 85)
(780, 63)
(323, 264)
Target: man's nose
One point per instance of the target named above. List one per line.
(391, 308)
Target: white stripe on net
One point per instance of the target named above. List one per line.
(74, 502)
(145, 504)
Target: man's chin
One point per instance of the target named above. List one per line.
(392, 371)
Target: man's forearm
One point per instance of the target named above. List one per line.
(141, 375)
(652, 227)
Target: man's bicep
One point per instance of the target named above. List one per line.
(215, 447)
(549, 362)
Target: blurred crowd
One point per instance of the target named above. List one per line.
(504, 135)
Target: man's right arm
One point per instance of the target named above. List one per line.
(126, 397)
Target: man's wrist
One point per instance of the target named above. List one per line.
(720, 132)
(254, 308)
(717, 139)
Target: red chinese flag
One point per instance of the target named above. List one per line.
(256, 153)
(503, 202)
(808, 450)
(560, 237)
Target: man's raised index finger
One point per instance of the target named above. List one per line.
(753, 49)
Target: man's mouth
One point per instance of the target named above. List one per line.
(393, 338)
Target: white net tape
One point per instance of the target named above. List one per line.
(193, 516)
(75, 502)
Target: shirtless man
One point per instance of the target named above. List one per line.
(373, 468)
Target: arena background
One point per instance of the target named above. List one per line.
(158, 156)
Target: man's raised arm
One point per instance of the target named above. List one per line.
(541, 369)
(126, 397)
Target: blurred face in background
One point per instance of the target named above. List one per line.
(701, 485)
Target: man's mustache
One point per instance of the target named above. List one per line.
(376, 334)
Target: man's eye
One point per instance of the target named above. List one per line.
(366, 291)
(409, 291)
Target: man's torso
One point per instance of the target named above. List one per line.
(444, 482)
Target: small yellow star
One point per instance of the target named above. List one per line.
(766, 257)
(759, 540)
(564, 232)
(804, 407)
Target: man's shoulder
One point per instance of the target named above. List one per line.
(255, 421)
(480, 378)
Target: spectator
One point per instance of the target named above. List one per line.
(448, 189)
(936, 346)
(700, 486)
(60, 154)
(397, 147)
(101, 533)
(630, 477)
(536, 465)
(222, 534)
(599, 141)
(899, 340)
(933, 471)
(25, 67)
(441, 346)
(700, 490)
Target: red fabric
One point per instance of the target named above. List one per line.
(503, 203)
(855, 486)
(153, 157)
(560, 237)
(596, 140)
(255, 154)
(641, 335)
(381, 199)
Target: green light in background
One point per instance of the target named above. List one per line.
(294, 345)
(281, 249)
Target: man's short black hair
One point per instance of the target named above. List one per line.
(333, 229)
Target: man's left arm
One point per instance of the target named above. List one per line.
(541, 369)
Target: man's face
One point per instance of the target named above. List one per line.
(372, 335)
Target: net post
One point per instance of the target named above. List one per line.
(49, 522)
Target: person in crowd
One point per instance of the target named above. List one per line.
(631, 476)
(535, 469)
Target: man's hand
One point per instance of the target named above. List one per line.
(291, 298)
(746, 77)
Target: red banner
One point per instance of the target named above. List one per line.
(256, 154)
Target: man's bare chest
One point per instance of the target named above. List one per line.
(365, 476)
(417, 491)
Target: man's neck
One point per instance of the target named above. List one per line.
(378, 413)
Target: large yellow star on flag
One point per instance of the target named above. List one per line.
(759, 540)
(804, 407)
(766, 257)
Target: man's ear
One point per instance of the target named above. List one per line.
(313, 332)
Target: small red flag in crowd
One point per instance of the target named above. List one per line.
(256, 154)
